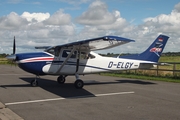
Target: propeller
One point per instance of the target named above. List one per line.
(14, 46)
(12, 57)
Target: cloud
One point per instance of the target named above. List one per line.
(119, 23)
(12, 21)
(31, 28)
(177, 7)
(97, 14)
(35, 16)
(151, 27)
(39, 28)
(58, 18)
(173, 18)
(98, 21)
(164, 23)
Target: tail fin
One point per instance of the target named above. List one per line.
(153, 52)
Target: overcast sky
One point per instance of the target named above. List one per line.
(54, 22)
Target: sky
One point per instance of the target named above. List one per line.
(56, 22)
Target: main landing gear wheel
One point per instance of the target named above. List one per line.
(79, 84)
(61, 79)
(34, 83)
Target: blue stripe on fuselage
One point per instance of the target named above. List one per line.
(22, 56)
(32, 67)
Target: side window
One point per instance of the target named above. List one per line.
(67, 52)
(85, 55)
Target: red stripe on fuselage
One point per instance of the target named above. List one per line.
(37, 59)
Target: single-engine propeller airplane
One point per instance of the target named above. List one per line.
(78, 58)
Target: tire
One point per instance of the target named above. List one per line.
(79, 84)
(34, 83)
(61, 79)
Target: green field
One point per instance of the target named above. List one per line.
(169, 59)
(4, 61)
(161, 75)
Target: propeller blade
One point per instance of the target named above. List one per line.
(14, 46)
(13, 56)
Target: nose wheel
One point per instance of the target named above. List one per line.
(34, 82)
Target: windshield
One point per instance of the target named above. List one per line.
(51, 51)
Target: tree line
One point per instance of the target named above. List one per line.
(163, 54)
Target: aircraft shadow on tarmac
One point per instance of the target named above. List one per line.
(67, 90)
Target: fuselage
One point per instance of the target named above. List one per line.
(44, 63)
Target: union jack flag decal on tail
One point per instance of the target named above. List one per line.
(160, 39)
(156, 49)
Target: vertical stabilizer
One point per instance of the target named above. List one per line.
(153, 52)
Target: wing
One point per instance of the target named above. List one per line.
(96, 43)
(42, 47)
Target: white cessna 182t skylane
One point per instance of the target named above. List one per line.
(77, 58)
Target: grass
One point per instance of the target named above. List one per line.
(166, 76)
(4, 61)
(169, 59)
(143, 77)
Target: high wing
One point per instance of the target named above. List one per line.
(96, 43)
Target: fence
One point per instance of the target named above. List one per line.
(169, 69)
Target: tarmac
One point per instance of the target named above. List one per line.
(102, 97)
(7, 114)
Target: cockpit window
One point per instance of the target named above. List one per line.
(51, 51)
(55, 51)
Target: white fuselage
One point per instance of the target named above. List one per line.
(93, 65)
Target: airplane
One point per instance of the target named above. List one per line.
(78, 58)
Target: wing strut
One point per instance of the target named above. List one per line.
(66, 60)
(77, 63)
